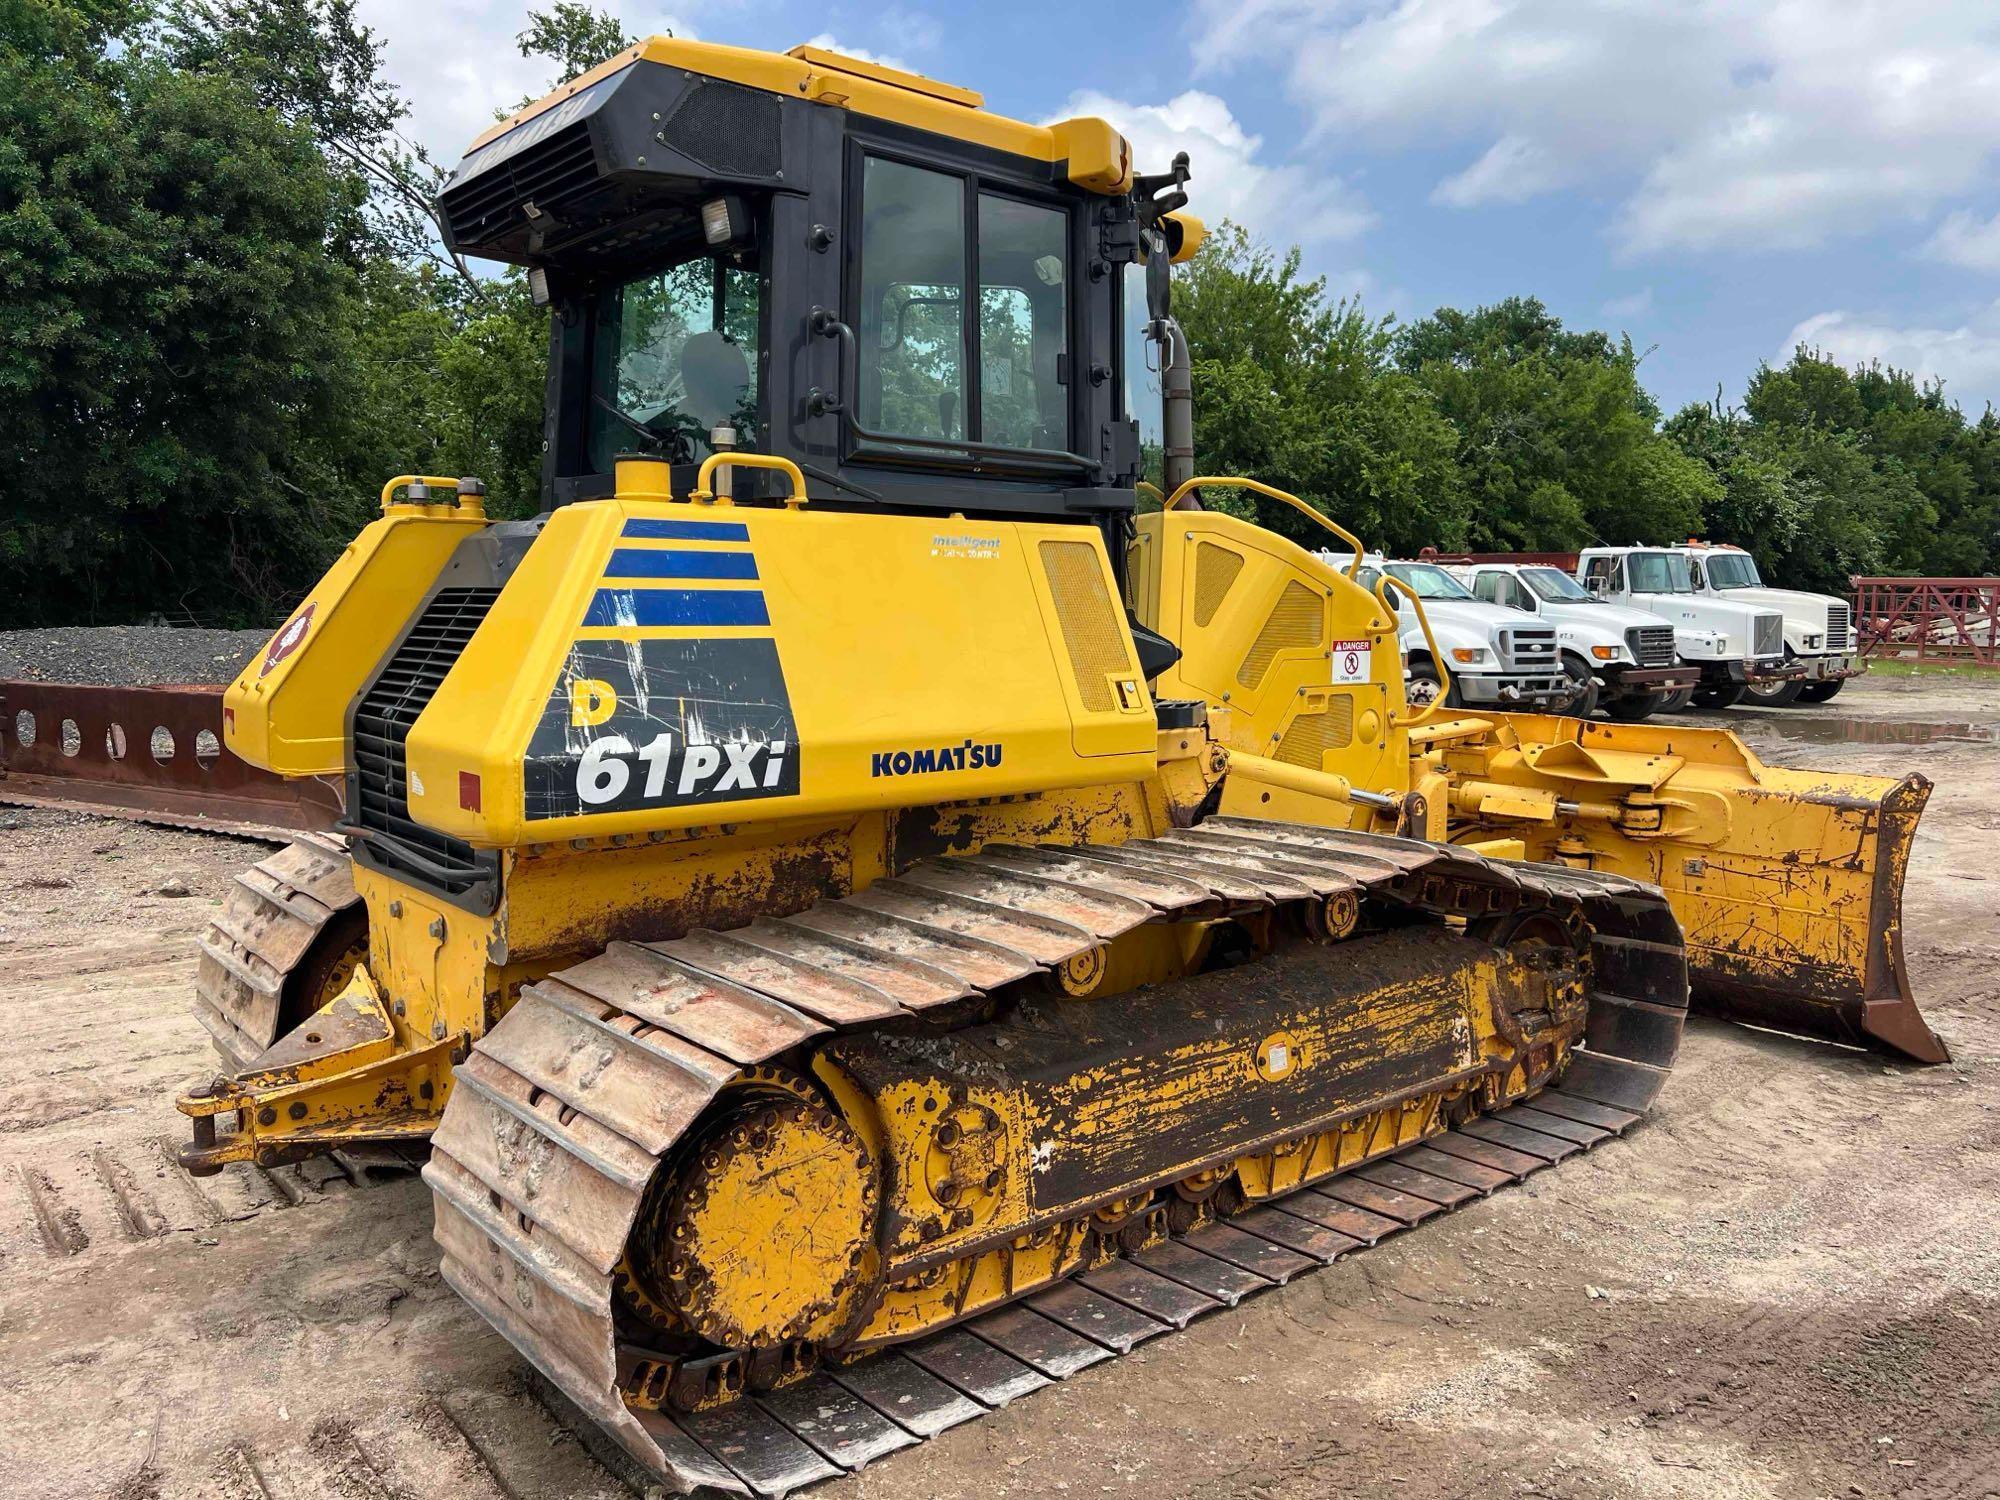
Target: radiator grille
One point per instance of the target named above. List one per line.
(1215, 569)
(1312, 735)
(382, 720)
(1089, 625)
(546, 174)
(1839, 628)
(1651, 645)
(1529, 649)
(1295, 623)
(1770, 637)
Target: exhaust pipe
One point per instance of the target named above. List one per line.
(1176, 405)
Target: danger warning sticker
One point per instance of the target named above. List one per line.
(1351, 661)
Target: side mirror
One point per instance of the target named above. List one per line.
(1598, 584)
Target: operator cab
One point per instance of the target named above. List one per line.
(921, 304)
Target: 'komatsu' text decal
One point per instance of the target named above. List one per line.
(970, 756)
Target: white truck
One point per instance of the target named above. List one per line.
(1819, 629)
(1623, 660)
(1661, 581)
(1495, 658)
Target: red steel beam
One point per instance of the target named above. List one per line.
(1937, 619)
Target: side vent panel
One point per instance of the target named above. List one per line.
(1312, 735)
(731, 130)
(1296, 623)
(1089, 623)
(1215, 569)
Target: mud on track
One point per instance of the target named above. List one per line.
(1792, 1262)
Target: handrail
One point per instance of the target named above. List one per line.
(1152, 489)
(1273, 493)
(389, 489)
(701, 494)
(1390, 581)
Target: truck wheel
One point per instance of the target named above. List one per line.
(1773, 694)
(1583, 687)
(1677, 700)
(1637, 707)
(1726, 696)
(1819, 692)
(1422, 688)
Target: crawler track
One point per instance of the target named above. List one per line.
(273, 913)
(565, 1110)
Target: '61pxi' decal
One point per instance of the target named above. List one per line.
(663, 723)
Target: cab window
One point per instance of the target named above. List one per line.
(935, 363)
(912, 327)
(1658, 573)
(676, 361)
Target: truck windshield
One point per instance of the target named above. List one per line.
(1657, 573)
(1733, 570)
(675, 358)
(1557, 586)
(1428, 582)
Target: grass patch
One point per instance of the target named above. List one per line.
(1892, 666)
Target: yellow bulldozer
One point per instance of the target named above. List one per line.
(858, 921)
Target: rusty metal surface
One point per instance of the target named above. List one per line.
(273, 914)
(153, 754)
(570, 1105)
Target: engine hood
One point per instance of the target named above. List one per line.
(1791, 603)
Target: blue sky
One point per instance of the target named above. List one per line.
(1717, 179)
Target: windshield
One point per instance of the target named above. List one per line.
(1733, 570)
(1428, 582)
(1554, 584)
(1657, 573)
(675, 358)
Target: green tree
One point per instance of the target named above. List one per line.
(1828, 472)
(1300, 393)
(1557, 441)
(576, 38)
(171, 331)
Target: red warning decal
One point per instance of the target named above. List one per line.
(286, 641)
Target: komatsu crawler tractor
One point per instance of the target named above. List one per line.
(860, 926)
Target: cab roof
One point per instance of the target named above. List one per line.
(1098, 157)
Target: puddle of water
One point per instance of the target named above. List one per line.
(1817, 731)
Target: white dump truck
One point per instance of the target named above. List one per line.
(1666, 581)
(1623, 660)
(1494, 657)
(1819, 629)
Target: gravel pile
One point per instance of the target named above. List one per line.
(127, 655)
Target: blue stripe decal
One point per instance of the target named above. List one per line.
(640, 562)
(688, 531)
(677, 607)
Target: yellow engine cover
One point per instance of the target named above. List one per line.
(287, 712)
(655, 665)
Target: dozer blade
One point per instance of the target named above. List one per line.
(1788, 883)
(1827, 958)
(607, 1083)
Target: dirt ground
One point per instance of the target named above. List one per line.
(1786, 1284)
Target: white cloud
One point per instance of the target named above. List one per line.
(1282, 203)
(860, 54)
(1513, 170)
(1966, 240)
(1719, 123)
(1634, 305)
(457, 63)
(1966, 358)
